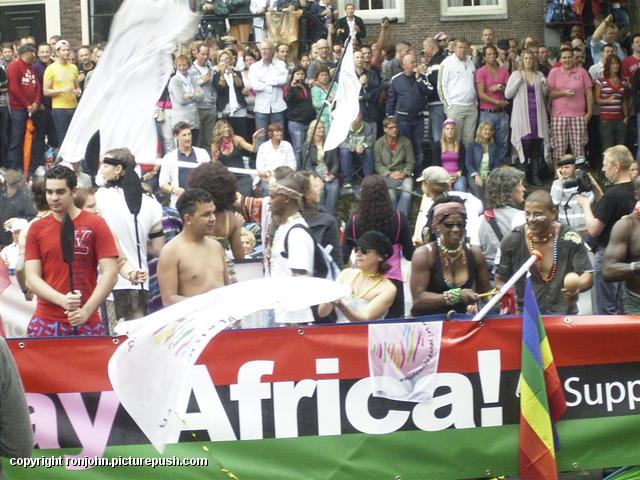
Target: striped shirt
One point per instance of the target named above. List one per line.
(612, 111)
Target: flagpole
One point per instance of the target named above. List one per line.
(535, 255)
(333, 81)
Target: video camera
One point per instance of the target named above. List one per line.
(581, 178)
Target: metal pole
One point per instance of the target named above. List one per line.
(535, 255)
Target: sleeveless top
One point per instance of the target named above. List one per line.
(234, 159)
(438, 283)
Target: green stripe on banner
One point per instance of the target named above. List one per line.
(415, 455)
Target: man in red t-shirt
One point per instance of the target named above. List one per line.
(24, 98)
(73, 313)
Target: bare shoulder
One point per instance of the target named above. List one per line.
(214, 244)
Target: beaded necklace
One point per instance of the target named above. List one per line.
(555, 230)
(450, 255)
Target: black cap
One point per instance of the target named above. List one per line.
(374, 240)
(567, 161)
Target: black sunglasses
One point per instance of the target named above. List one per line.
(362, 250)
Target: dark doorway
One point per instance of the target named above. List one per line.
(21, 21)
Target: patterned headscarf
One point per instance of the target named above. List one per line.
(443, 210)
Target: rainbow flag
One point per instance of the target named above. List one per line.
(542, 400)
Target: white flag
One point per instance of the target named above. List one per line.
(120, 100)
(149, 370)
(347, 104)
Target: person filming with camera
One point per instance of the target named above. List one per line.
(574, 181)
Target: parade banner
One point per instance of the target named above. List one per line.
(292, 403)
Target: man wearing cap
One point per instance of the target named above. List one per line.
(394, 160)
(24, 99)
(443, 41)
(436, 184)
(138, 235)
(564, 198)
(62, 83)
(433, 56)
(457, 90)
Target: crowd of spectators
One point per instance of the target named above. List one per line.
(242, 173)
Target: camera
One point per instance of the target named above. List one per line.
(390, 20)
(581, 178)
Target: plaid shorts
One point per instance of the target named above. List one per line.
(39, 327)
(568, 131)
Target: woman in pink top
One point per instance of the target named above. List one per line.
(571, 106)
(449, 153)
(491, 81)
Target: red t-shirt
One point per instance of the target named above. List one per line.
(629, 66)
(93, 241)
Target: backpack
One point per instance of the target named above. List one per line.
(323, 264)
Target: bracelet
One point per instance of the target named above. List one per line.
(452, 297)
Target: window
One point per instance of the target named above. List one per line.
(101, 14)
(473, 8)
(372, 11)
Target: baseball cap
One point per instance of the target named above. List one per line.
(440, 36)
(437, 175)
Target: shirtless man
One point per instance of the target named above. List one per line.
(192, 263)
(621, 260)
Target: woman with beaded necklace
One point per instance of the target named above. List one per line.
(446, 273)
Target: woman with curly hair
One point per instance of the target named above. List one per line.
(374, 211)
(227, 149)
(221, 185)
(503, 196)
(447, 273)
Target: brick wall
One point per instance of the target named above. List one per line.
(71, 22)
(422, 19)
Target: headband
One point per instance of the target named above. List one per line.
(443, 210)
(289, 192)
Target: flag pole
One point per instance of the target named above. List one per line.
(535, 255)
(333, 81)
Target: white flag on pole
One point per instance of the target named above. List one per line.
(120, 100)
(347, 104)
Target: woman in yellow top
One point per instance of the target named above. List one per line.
(372, 293)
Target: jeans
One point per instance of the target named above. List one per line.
(298, 134)
(346, 163)
(466, 117)
(612, 133)
(609, 295)
(208, 117)
(5, 135)
(413, 129)
(460, 185)
(263, 120)
(329, 196)
(16, 142)
(61, 119)
(400, 193)
(436, 119)
(500, 122)
(41, 121)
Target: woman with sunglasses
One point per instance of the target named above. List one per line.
(372, 293)
(446, 273)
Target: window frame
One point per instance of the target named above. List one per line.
(473, 12)
(92, 16)
(375, 16)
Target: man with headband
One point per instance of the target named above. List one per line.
(291, 251)
(135, 220)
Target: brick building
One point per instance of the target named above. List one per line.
(85, 21)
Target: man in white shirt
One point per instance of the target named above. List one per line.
(457, 90)
(137, 235)
(268, 78)
(295, 256)
(174, 177)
